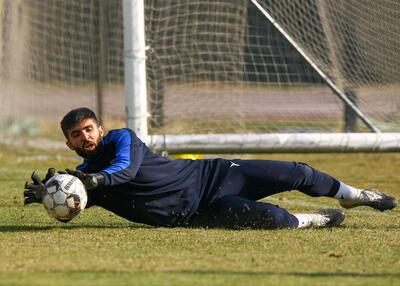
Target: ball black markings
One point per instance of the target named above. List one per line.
(69, 184)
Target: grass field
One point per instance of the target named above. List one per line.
(98, 248)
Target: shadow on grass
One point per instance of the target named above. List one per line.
(31, 228)
(297, 274)
(373, 227)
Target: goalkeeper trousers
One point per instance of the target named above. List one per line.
(235, 202)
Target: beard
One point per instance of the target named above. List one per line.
(92, 154)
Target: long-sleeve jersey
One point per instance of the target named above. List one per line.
(145, 187)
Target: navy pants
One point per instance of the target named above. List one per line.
(235, 202)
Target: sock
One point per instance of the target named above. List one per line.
(346, 192)
(304, 220)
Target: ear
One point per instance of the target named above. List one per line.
(69, 145)
(101, 130)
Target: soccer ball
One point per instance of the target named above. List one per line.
(64, 197)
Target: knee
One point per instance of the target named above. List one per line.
(305, 170)
(306, 177)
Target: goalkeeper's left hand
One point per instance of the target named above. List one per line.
(90, 181)
(33, 191)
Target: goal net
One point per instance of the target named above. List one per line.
(252, 68)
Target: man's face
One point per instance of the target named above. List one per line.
(85, 138)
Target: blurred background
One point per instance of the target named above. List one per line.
(212, 66)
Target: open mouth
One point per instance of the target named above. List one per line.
(89, 146)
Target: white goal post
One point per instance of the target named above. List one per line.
(243, 143)
(135, 67)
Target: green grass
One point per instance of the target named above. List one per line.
(99, 248)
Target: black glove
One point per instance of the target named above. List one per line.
(90, 181)
(33, 191)
(51, 172)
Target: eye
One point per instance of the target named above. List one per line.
(75, 134)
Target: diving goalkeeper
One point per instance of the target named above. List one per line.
(123, 176)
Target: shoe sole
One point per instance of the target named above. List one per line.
(386, 203)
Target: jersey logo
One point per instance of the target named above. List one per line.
(233, 165)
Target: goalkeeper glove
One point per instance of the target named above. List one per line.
(33, 191)
(90, 181)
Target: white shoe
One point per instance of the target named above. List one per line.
(323, 218)
(372, 198)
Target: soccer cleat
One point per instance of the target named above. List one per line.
(372, 198)
(323, 218)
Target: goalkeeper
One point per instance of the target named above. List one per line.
(123, 176)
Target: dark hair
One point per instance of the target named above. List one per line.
(75, 116)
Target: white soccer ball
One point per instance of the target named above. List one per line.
(64, 197)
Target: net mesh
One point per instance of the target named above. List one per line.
(212, 66)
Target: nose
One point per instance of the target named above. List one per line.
(85, 135)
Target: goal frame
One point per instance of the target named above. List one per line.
(137, 114)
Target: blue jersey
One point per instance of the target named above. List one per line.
(145, 187)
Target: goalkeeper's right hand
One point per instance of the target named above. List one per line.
(90, 181)
(34, 190)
